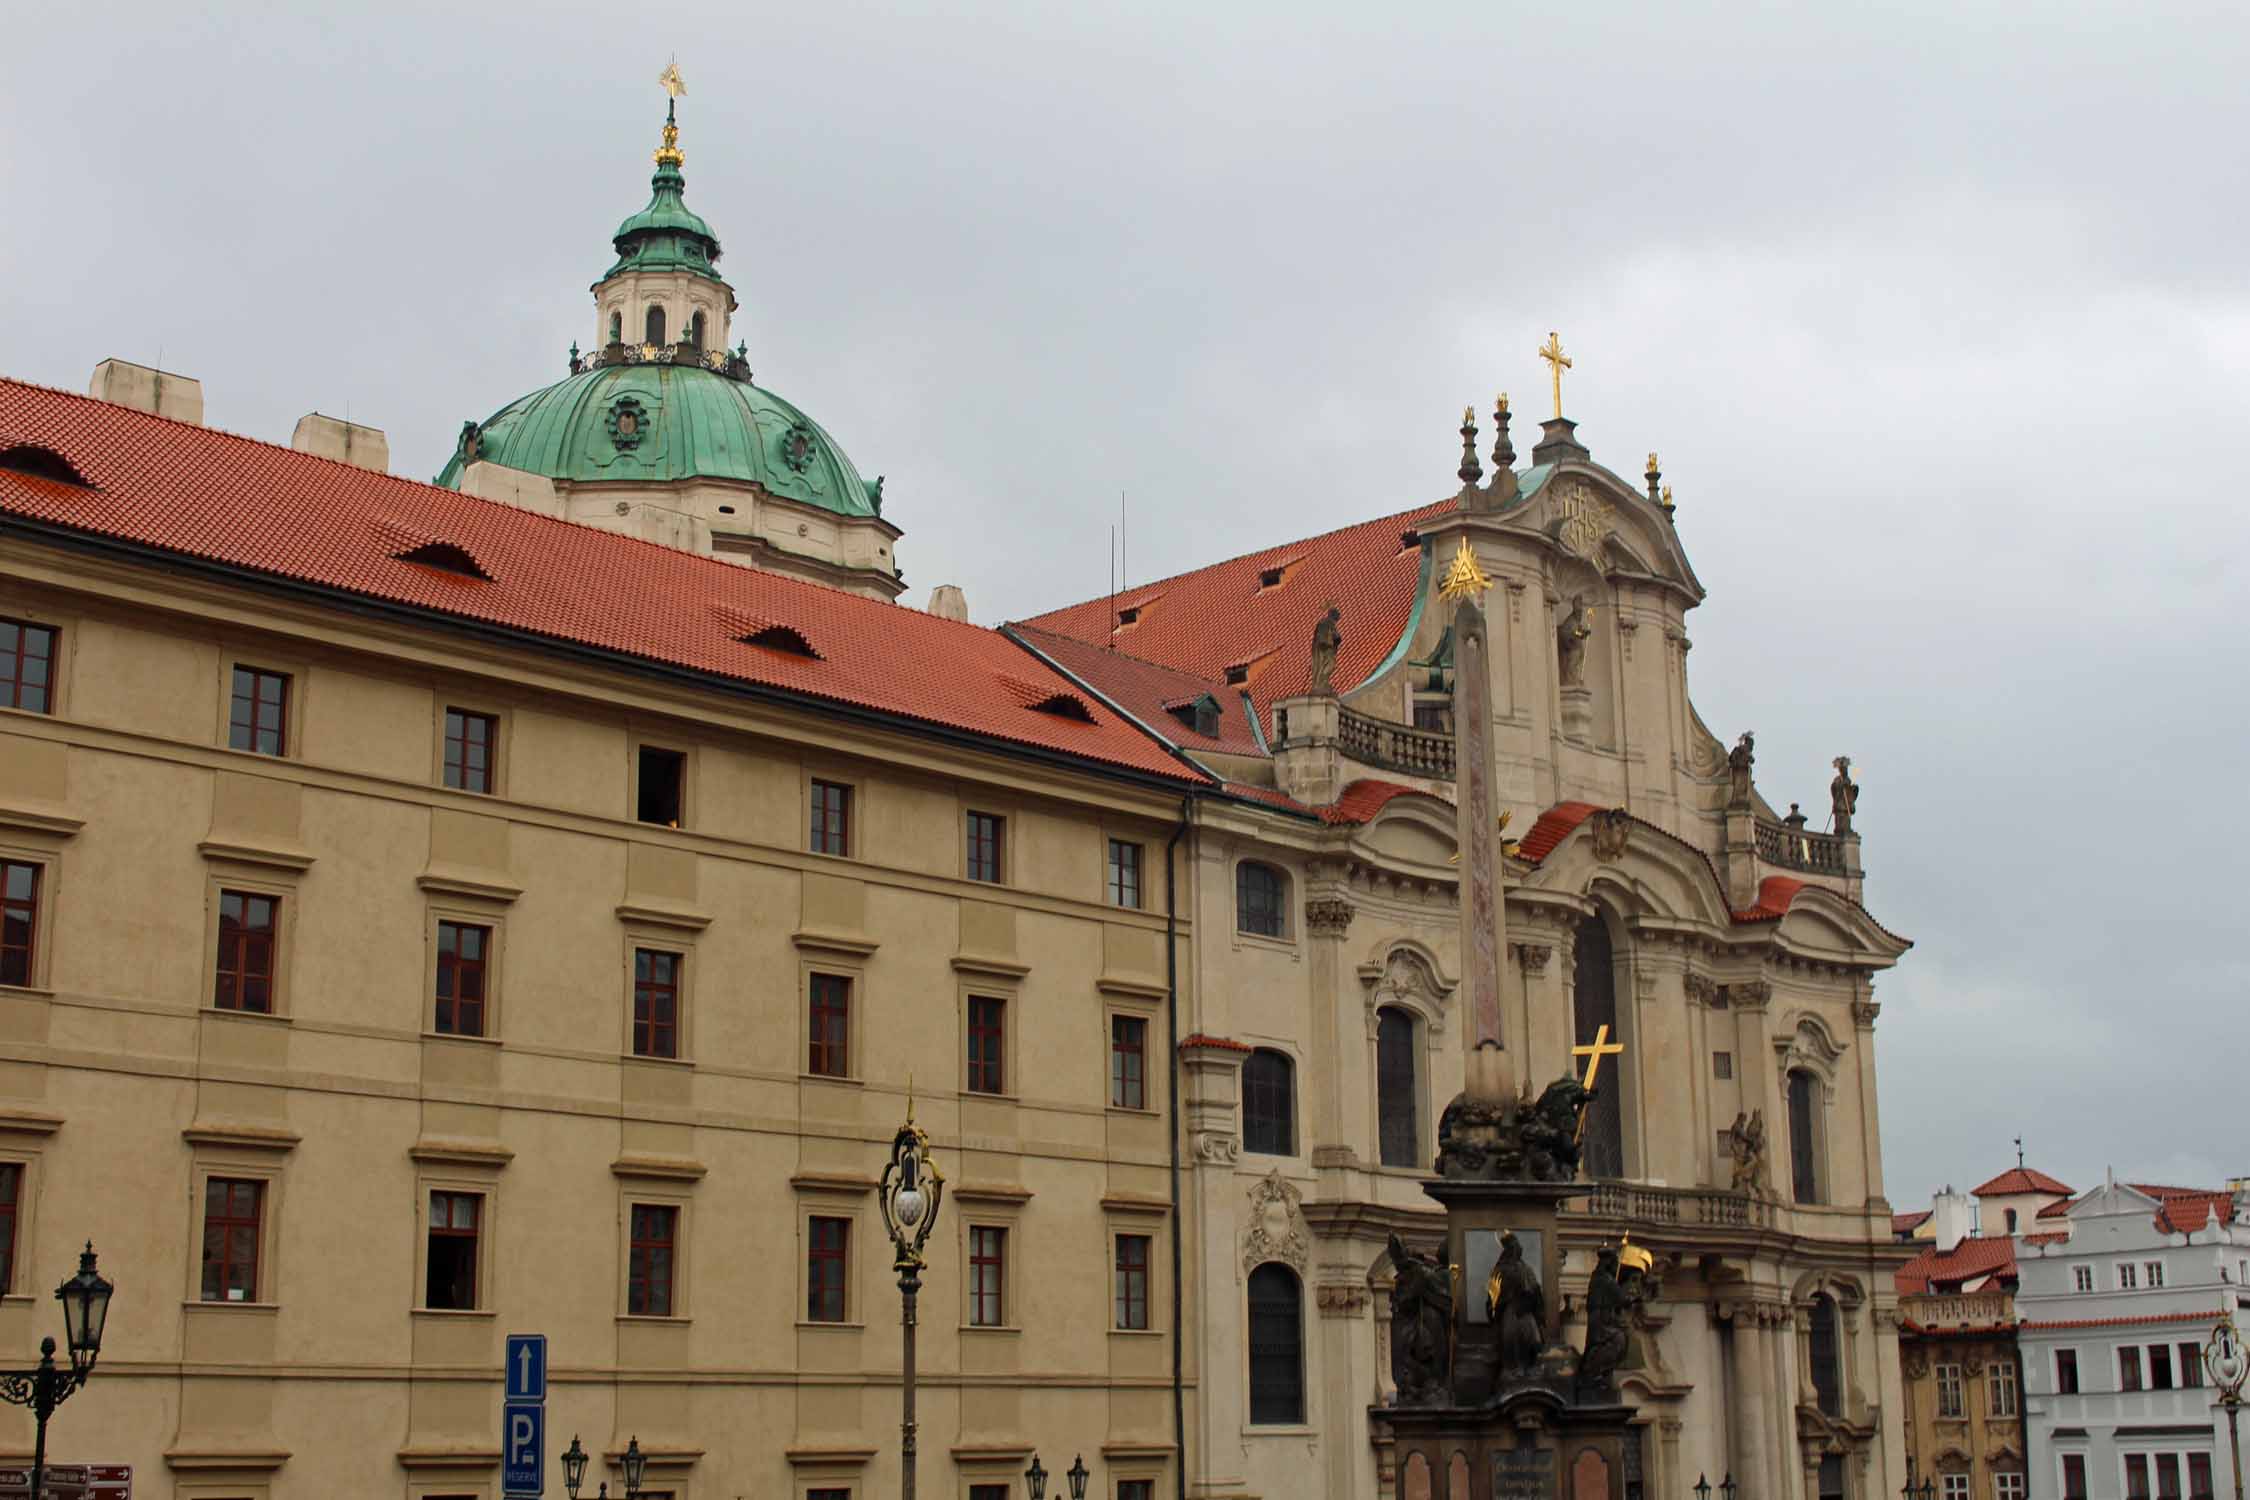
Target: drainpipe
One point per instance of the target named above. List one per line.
(1172, 1049)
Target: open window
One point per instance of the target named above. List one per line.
(660, 786)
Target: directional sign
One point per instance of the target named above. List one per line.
(70, 1482)
(527, 1367)
(523, 1448)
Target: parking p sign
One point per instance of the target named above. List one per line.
(523, 1416)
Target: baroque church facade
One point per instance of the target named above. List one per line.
(626, 701)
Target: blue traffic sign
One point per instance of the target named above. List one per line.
(523, 1448)
(527, 1367)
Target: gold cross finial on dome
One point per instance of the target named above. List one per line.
(1557, 361)
(1463, 578)
(669, 154)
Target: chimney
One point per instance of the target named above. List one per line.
(144, 389)
(1953, 1218)
(947, 602)
(345, 442)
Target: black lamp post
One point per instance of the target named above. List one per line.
(911, 1188)
(636, 1467)
(574, 1467)
(1727, 1485)
(85, 1300)
(1702, 1487)
(1035, 1478)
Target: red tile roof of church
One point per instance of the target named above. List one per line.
(1216, 617)
(1775, 892)
(1148, 690)
(1554, 825)
(2022, 1180)
(199, 492)
(1364, 798)
(1903, 1223)
(2185, 1210)
(1974, 1259)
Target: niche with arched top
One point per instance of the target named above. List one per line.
(653, 329)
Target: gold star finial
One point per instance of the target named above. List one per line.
(669, 154)
(1463, 578)
(1557, 361)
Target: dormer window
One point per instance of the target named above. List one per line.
(1271, 578)
(780, 638)
(655, 328)
(1129, 616)
(41, 463)
(446, 557)
(1064, 706)
(1238, 674)
(1409, 539)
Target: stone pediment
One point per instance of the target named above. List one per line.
(1590, 514)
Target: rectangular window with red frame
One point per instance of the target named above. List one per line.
(2074, 1476)
(653, 1257)
(831, 818)
(988, 1044)
(11, 1209)
(462, 950)
(469, 742)
(249, 930)
(829, 1026)
(656, 1003)
(987, 846)
(1136, 1489)
(456, 1221)
(19, 920)
(2199, 1476)
(2129, 1368)
(2191, 1366)
(258, 717)
(27, 666)
(988, 1276)
(1132, 1281)
(828, 1249)
(2167, 1476)
(1128, 1062)
(233, 1225)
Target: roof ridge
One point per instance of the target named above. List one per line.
(1322, 536)
(1079, 640)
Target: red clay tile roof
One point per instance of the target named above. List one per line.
(1972, 1260)
(1271, 796)
(1554, 825)
(2185, 1210)
(1364, 798)
(1216, 617)
(2022, 1180)
(1901, 1223)
(2049, 1237)
(1775, 892)
(2059, 1209)
(1221, 1043)
(209, 494)
(2172, 1317)
(1147, 690)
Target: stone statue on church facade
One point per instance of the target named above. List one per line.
(1421, 1325)
(1570, 642)
(1327, 640)
(1746, 1143)
(1843, 795)
(1517, 1140)
(1739, 761)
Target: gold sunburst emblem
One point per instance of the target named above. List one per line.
(1463, 578)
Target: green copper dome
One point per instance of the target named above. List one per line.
(667, 235)
(659, 422)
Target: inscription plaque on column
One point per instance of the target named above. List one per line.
(1523, 1474)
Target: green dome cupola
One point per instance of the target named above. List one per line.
(660, 431)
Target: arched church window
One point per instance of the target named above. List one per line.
(1269, 1103)
(616, 327)
(1277, 1347)
(1825, 1350)
(655, 334)
(1804, 1136)
(1259, 906)
(695, 329)
(1594, 1005)
(1398, 1126)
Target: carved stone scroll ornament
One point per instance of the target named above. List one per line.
(1700, 989)
(1864, 1013)
(1421, 1326)
(1276, 1220)
(1328, 916)
(1533, 956)
(1750, 994)
(1217, 1147)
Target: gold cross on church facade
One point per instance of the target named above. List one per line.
(1557, 361)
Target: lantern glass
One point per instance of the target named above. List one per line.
(85, 1300)
(1702, 1487)
(1035, 1479)
(574, 1467)
(908, 1204)
(1078, 1474)
(636, 1466)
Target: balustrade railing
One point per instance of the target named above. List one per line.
(1794, 848)
(1959, 1310)
(1394, 747)
(1660, 1205)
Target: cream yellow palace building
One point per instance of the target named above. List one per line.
(519, 903)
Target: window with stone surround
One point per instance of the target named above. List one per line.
(2129, 1368)
(2066, 1372)
(831, 818)
(988, 1038)
(1277, 1347)
(652, 1260)
(19, 920)
(986, 859)
(829, 1048)
(27, 666)
(1269, 1103)
(2074, 1476)
(1128, 1062)
(656, 1002)
(1124, 874)
(1132, 1282)
(1260, 900)
(258, 712)
(988, 1276)
(1400, 1135)
(2002, 1388)
(11, 1207)
(462, 949)
(249, 930)
(828, 1246)
(470, 740)
(456, 1228)
(1949, 1392)
(233, 1232)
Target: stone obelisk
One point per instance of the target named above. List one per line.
(1484, 911)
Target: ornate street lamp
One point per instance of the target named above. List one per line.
(1035, 1478)
(911, 1189)
(574, 1467)
(1727, 1486)
(1702, 1487)
(85, 1300)
(2229, 1365)
(636, 1468)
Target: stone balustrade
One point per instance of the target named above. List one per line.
(1790, 848)
(1394, 747)
(1959, 1310)
(1667, 1206)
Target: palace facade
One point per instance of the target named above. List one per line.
(530, 902)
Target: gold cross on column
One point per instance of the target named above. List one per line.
(1557, 361)
(1600, 1047)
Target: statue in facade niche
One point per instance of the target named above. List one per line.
(1421, 1325)
(1637, 1278)
(1843, 794)
(1746, 1143)
(1516, 1305)
(1739, 761)
(1327, 640)
(1605, 1326)
(1570, 642)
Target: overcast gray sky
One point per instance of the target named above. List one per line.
(1938, 313)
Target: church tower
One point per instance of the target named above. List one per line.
(659, 430)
